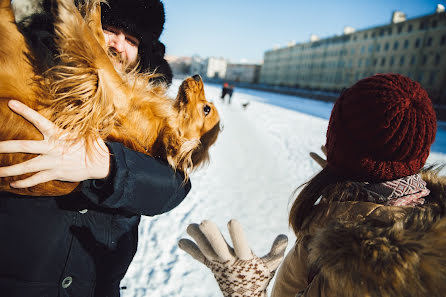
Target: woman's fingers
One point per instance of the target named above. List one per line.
(192, 249)
(45, 126)
(202, 242)
(275, 256)
(218, 243)
(38, 178)
(321, 161)
(239, 241)
(33, 165)
(25, 146)
(324, 150)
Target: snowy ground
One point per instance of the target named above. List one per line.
(259, 159)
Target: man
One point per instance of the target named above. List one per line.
(136, 25)
(131, 29)
(80, 244)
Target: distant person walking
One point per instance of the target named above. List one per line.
(227, 90)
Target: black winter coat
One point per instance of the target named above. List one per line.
(81, 245)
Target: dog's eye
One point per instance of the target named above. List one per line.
(206, 109)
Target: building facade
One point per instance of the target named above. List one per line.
(248, 73)
(211, 67)
(415, 48)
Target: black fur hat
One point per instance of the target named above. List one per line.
(143, 19)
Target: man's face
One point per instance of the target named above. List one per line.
(122, 44)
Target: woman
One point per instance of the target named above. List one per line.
(370, 223)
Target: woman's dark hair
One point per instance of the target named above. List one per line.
(301, 213)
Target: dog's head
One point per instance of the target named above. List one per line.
(198, 118)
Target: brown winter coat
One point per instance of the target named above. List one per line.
(367, 249)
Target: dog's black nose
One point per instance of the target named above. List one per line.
(196, 77)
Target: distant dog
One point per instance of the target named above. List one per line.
(245, 105)
(85, 95)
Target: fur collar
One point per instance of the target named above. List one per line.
(403, 255)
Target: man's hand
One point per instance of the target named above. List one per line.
(238, 271)
(59, 159)
(321, 161)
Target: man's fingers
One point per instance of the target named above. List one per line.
(30, 166)
(203, 244)
(321, 161)
(238, 237)
(192, 249)
(38, 178)
(25, 146)
(218, 243)
(45, 126)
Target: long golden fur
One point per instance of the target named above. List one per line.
(85, 95)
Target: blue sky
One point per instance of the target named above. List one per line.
(245, 29)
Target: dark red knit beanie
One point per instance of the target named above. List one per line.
(381, 128)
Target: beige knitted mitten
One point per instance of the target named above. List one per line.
(238, 271)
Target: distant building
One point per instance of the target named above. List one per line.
(215, 67)
(414, 47)
(197, 66)
(248, 73)
(179, 65)
(211, 67)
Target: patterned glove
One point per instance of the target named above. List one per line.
(238, 271)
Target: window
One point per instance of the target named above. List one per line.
(389, 31)
(422, 25)
(434, 24)
(432, 77)
(386, 46)
(383, 61)
(371, 48)
(417, 43)
(412, 60)
(443, 40)
(362, 49)
(373, 34)
(375, 61)
(400, 29)
(378, 47)
(365, 36)
(406, 44)
(437, 60)
(424, 60)
(420, 77)
(402, 61)
(381, 32)
(359, 62)
(409, 28)
(395, 45)
(429, 41)
(391, 61)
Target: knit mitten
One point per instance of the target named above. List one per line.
(238, 271)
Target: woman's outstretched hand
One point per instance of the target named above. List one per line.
(59, 159)
(238, 271)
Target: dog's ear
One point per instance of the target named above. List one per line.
(201, 154)
(91, 11)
